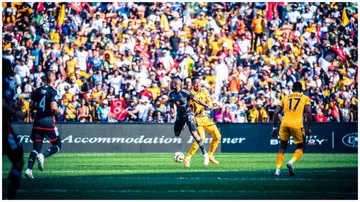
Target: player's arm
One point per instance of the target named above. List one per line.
(12, 111)
(195, 99)
(308, 119)
(172, 105)
(208, 98)
(277, 111)
(55, 98)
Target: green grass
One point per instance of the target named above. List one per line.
(157, 176)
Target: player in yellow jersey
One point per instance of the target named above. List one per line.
(294, 106)
(203, 122)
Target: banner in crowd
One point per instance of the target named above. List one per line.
(117, 109)
(142, 138)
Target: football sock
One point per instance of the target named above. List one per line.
(14, 182)
(201, 145)
(32, 157)
(52, 150)
(297, 155)
(194, 147)
(279, 160)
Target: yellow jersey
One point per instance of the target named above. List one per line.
(202, 95)
(293, 106)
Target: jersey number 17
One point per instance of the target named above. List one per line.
(296, 104)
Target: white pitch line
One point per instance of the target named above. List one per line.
(180, 191)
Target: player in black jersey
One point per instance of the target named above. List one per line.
(180, 98)
(11, 145)
(46, 99)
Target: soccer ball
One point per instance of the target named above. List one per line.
(178, 157)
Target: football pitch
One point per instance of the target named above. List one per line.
(157, 176)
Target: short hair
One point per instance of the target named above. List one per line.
(49, 74)
(176, 79)
(297, 86)
(194, 79)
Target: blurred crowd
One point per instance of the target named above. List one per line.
(248, 55)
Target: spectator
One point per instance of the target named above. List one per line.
(228, 116)
(103, 111)
(71, 110)
(258, 113)
(319, 117)
(96, 57)
(82, 112)
(258, 25)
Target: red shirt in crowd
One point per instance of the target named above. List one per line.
(146, 93)
(320, 118)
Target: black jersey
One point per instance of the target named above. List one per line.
(43, 96)
(181, 100)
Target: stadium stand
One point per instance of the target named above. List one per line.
(114, 61)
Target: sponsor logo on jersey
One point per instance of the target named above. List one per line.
(351, 140)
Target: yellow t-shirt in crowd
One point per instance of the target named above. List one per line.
(211, 80)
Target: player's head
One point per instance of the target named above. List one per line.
(297, 87)
(7, 68)
(176, 84)
(196, 83)
(50, 77)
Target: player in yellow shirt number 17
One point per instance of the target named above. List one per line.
(294, 106)
(203, 123)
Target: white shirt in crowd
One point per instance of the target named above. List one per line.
(176, 25)
(98, 23)
(81, 59)
(244, 47)
(307, 16)
(167, 61)
(300, 26)
(293, 16)
(142, 111)
(116, 82)
(61, 87)
(311, 41)
(222, 73)
(74, 89)
(22, 70)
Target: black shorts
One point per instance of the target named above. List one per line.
(38, 135)
(180, 122)
(46, 123)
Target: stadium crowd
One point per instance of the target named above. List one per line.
(247, 55)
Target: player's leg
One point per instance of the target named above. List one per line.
(284, 134)
(55, 140)
(190, 121)
(195, 146)
(211, 128)
(37, 139)
(299, 139)
(55, 148)
(14, 151)
(178, 126)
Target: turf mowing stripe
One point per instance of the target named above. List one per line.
(184, 170)
(211, 178)
(181, 191)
